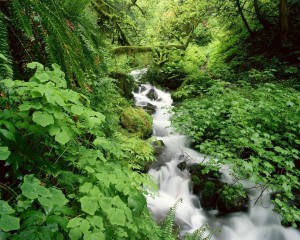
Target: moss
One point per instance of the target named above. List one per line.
(136, 120)
(125, 83)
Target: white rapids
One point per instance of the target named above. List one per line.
(259, 223)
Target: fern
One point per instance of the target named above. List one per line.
(21, 19)
(200, 233)
(168, 224)
(5, 58)
(168, 227)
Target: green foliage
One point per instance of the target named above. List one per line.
(168, 224)
(200, 233)
(66, 147)
(254, 130)
(5, 58)
(53, 32)
(138, 153)
(169, 228)
(42, 212)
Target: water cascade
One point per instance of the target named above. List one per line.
(259, 223)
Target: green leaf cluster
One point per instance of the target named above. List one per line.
(51, 131)
(255, 130)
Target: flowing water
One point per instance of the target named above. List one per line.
(259, 223)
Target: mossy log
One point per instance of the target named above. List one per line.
(144, 49)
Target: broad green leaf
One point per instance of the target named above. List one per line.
(75, 233)
(4, 153)
(85, 188)
(84, 226)
(116, 217)
(42, 118)
(58, 198)
(5, 209)
(74, 222)
(31, 188)
(137, 203)
(62, 137)
(94, 236)
(96, 221)
(78, 110)
(25, 106)
(89, 204)
(105, 203)
(53, 130)
(46, 204)
(89, 169)
(9, 223)
(34, 65)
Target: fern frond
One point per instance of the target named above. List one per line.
(203, 233)
(5, 57)
(168, 224)
(21, 19)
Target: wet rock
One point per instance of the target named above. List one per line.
(182, 166)
(158, 146)
(209, 193)
(150, 108)
(152, 94)
(139, 89)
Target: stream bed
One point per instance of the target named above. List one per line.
(258, 223)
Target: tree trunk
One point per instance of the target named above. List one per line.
(283, 21)
(266, 24)
(243, 17)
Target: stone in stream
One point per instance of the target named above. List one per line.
(150, 108)
(158, 146)
(212, 192)
(182, 166)
(152, 94)
(139, 89)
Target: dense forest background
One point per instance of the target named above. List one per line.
(73, 149)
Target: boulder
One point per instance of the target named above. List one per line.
(158, 146)
(152, 94)
(150, 108)
(182, 166)
(139, 89)
(137, 120)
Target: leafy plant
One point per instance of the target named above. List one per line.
(255, 131)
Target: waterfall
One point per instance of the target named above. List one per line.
(259, 223)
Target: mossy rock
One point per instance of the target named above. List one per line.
(138, 121)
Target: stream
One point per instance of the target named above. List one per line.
(258, 223)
